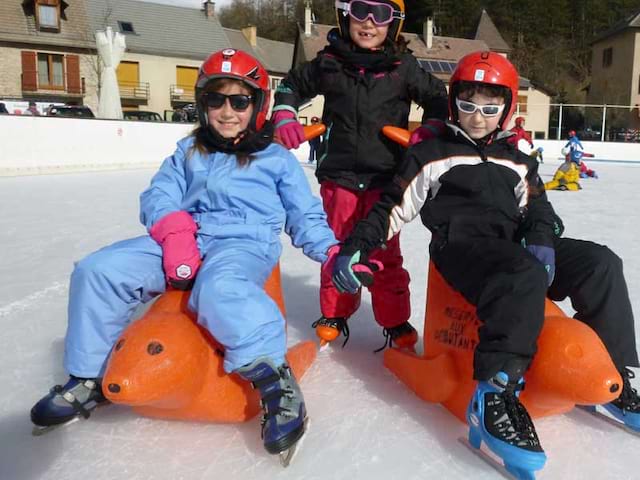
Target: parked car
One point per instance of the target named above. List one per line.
(74, 111)
(142, 115)
(187, 113)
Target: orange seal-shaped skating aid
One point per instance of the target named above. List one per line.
(165, 365)
(572, 366)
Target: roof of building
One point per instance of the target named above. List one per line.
(275, 56)
(441, 59)
(315, 42)
(443, 48)
(437, 59)
(160, 29)
(489, 33)
(19, 25)
(629, 22)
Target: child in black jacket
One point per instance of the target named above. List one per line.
(483, 201)
(368, 79)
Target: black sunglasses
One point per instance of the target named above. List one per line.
(238, 102)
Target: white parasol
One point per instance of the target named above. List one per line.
(111, 47)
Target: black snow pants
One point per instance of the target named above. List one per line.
(591, 276)
(508, 286)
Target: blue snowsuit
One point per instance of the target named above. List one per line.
(241, 212)
(574, 144)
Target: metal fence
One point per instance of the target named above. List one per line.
(605, 123)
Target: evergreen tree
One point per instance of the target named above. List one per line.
(417, 12)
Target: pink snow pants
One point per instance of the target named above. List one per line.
(390, 289)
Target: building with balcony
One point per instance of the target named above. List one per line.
(167, 44)
(165, 47)
(615, 69)
(46, 52)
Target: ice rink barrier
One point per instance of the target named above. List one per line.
(47, 145)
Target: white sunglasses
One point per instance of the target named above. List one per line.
(485, 110)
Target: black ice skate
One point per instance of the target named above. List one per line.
(402, 336)
(285, 416)
(64, 404)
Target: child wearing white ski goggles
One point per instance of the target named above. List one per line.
(486, 110)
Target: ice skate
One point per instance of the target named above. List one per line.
(328, 329)
(402, 336)
(66, 404)
(497, 418)
(625, 410)
(285, 417)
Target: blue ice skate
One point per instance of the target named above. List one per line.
(77, 398)
(496, 416)
(284, 419)
(626, 408)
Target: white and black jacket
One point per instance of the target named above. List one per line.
(462, 190)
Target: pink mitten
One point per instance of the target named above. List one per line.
(176, 234)
(288, 129)
(332, 254)
(432, 129)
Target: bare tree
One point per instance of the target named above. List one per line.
(90, 57)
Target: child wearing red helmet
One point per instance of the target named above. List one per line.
(519, 133)
(496, 239)
(368, 79)
(214, 213)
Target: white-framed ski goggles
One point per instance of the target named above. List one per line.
(486, 110)
(380, 13)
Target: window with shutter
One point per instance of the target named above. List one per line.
(50, 71)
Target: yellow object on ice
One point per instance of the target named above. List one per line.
(567, 177)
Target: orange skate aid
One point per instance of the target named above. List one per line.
(165, 365)
(572, 365)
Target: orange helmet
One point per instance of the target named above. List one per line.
(394, 18)
(238, 65)
(489, 68)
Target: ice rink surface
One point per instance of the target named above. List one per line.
(365, 424)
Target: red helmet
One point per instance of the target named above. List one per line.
(519, 121)
(572, 133)
(395, 27)
(489, 68)
(238, 65)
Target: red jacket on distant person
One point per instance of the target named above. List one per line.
(520, 133)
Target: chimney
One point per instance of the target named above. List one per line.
(307, 18)
(209, 8)
(427, 32)
(251, 34)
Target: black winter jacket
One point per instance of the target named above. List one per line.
(462, 190)
(358, 101)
